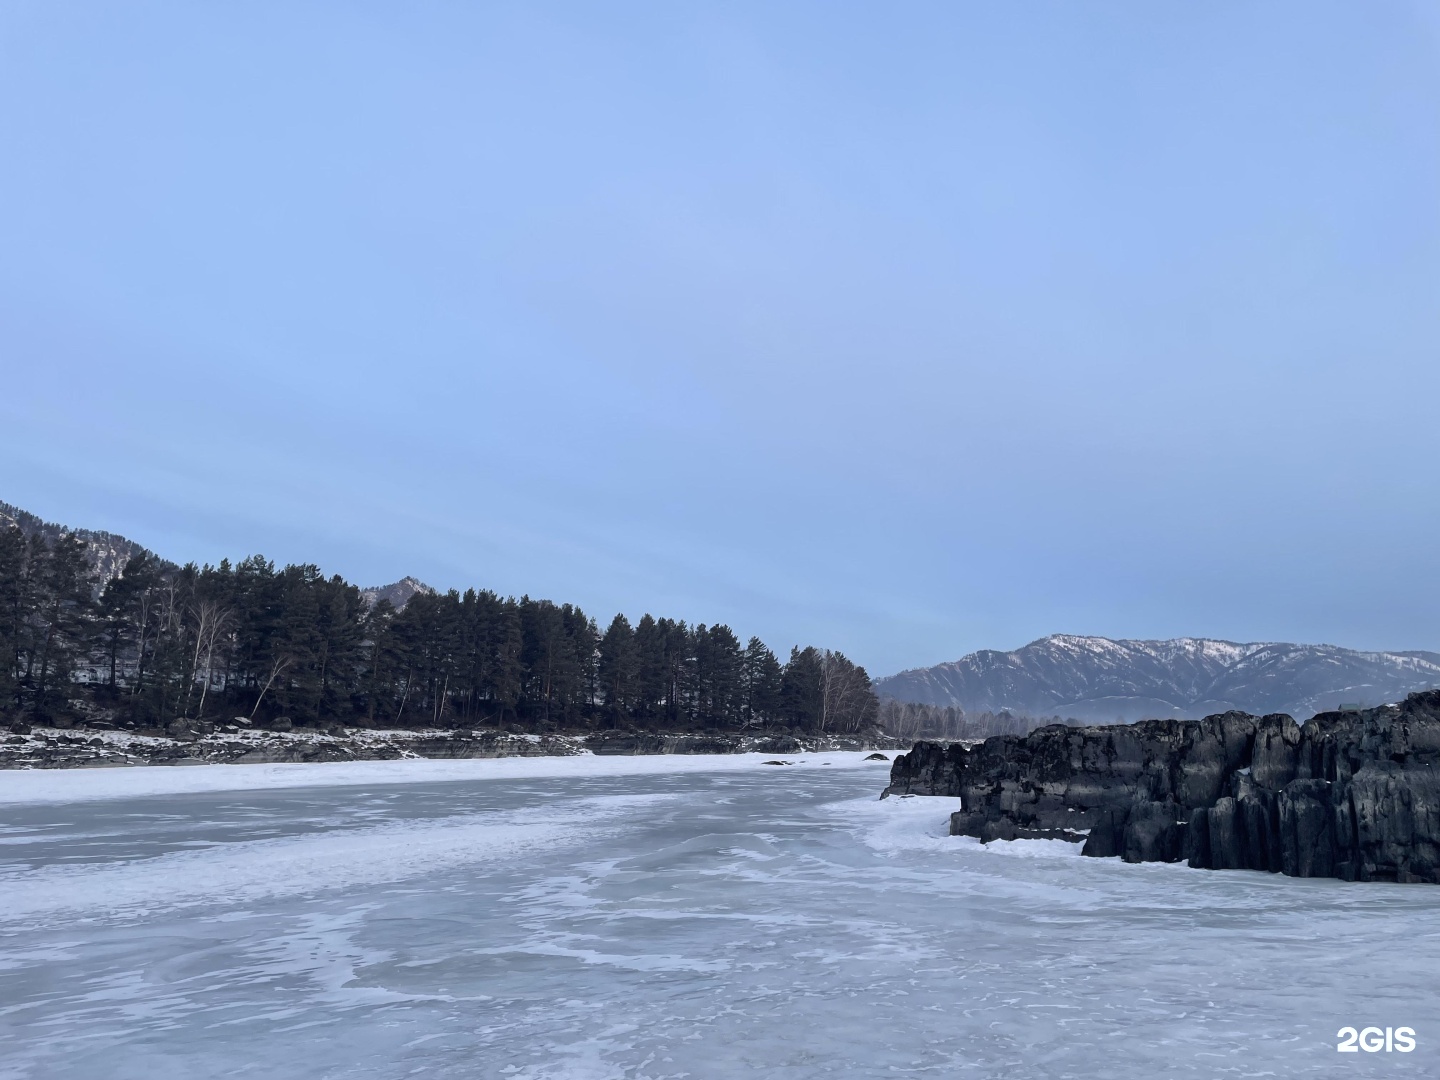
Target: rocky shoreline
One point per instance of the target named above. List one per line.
(1351, 795)
(55, 748)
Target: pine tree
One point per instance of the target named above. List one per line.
(60, 621)
(14, 616)
(651, 671)
(800, 689)
(618, 670)
(509, 679)
(760, 680)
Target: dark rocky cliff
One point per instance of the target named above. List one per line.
(1353, 795)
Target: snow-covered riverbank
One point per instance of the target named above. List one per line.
(239, 744)
(81, 785)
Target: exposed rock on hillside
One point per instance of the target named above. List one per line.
(1354, 795)
(399, 593)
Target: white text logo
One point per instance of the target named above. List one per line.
(1373, 1039)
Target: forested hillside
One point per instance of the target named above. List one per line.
(106, 552)
(157, 643)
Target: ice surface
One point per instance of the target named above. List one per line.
(611, 921)
(75, 785)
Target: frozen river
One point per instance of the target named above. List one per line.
(729, 919)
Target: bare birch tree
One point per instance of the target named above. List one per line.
(212, 622)
(846, 701)
(278, 667)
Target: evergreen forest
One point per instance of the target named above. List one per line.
(153, 644)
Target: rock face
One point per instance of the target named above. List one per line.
(398, 593)
(1353, 795)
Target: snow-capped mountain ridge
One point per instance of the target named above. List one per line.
(1101, 679)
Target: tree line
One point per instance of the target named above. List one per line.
(159, 644)
(950, 723)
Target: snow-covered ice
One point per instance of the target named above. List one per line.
(653, 917)
(76, 785)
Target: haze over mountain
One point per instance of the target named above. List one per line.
(1100, 680)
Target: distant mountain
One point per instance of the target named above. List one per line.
(399, 593)
(108, 552)
(1097, 679)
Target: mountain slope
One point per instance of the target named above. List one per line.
(1101, 680)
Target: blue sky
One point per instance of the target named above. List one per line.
(901, 329)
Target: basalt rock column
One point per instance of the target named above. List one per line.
(1354, 795)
